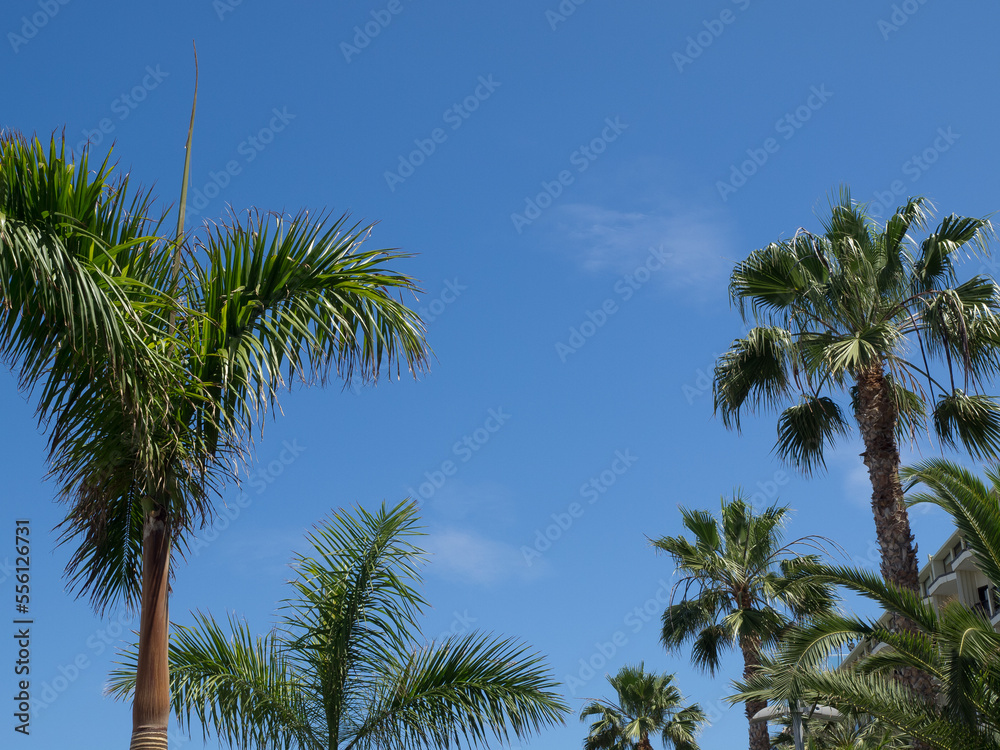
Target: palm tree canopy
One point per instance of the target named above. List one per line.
(862, 297)
(648, 704)
(346, 666)
(69, 288)
(738, 581)
(956, 646)
(154, 379)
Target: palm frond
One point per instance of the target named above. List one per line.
(239, 686)
(969, 501)
(756, 369)
(970, 419)
(465, 691)
(805, 429)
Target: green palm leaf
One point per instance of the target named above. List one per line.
(347, 667)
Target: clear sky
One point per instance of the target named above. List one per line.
(575, 181)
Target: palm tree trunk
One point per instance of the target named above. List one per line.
(759, 738)
(876, 414)
(151, 708)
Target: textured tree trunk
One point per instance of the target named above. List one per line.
(151, 708)
(876, 414)
(759, 737)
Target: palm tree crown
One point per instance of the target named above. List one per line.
(157, 357)
(862, 307)
(346, 666)
(740, 587)
(648, 704)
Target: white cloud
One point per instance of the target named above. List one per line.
(605, 239)
(469, 557)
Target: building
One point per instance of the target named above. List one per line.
(950, 574)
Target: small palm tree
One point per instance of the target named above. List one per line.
(346, 666)
(863, 308)
(740, 588)
(955, 646)
(648, 705)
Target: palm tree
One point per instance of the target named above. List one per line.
(863, 308)
(139, 451)
(67, 302)
(648, 704)
(955, 646)
(787, 683)
(346, 666)
(739, 589)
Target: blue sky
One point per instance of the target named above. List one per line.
(575, 180)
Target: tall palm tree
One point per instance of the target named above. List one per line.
(648, 704)
(863, 308)
(955, 646)
(140, 451)
(346, 667)
(739, 588)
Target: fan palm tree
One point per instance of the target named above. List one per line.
(955, 646)
(740, 588)
(862, 307)
(648, 704)
(346, 666)
(140, 450)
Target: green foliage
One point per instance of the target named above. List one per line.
(803, 430)
(862, 297)
(648, 704)
(346, 666)
(955, 645)
(154, 366)
(739, 585)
